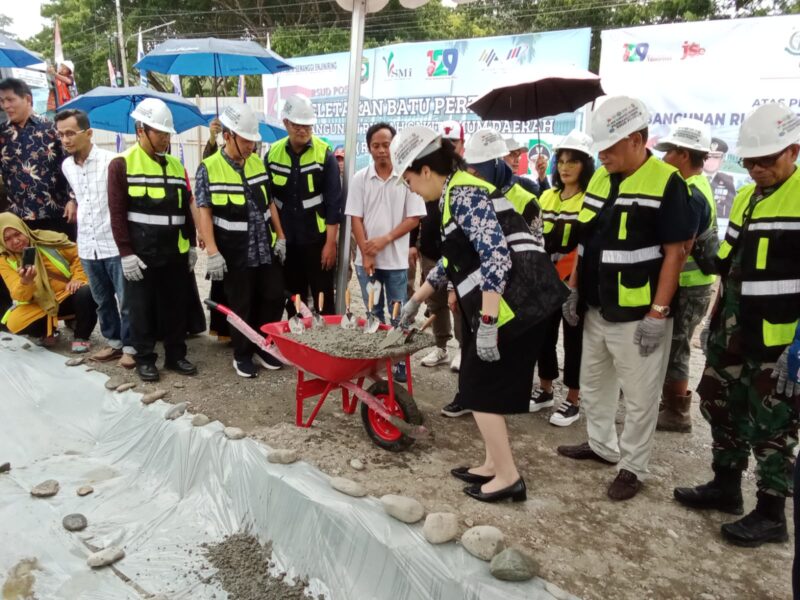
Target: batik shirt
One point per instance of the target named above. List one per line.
(30, 164)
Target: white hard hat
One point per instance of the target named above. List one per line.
(484, 145)
(617, 118)
(576, 140)
(155, 113)
(687, 133)
(512, 144)
(69, 64)
(297, 108)
(241, 119)
(451, 130)
(768, 129)
(410, 144)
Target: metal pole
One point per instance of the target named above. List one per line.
(121, 40)
(350, 133)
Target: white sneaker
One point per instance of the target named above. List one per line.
(566, 415)
(456, 364)
(436, 357)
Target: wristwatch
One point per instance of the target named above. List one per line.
(662, 310)
(488, 320)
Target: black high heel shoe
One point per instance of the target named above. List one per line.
(516, 491)
(463, 474)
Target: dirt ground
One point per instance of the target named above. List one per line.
(648, 547)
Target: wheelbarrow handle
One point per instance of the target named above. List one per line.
(217, 306)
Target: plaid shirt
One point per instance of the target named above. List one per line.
(30, 164)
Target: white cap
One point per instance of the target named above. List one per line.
(617, 118)
(451, 130)
(241, 119)
(576, 140)
(484, 145)
(687, 133)
(155, 113)
(410, 144)
(297, 108)
(69, 64)
(767, 130)
(512, 144)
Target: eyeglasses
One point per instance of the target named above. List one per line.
(571, 162)
(765, 162)
(68, 135)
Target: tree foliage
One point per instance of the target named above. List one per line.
(306, 27)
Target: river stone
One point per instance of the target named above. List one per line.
(233, 433)
(348, 486)
(126, 386)
(26, 346)
(483, 541)
(74, 522)
(175, 412)
(153, 396)
(46, 489)
(85, 490)
(106, 556)
(74, 362)
(357, 464)
(114, 383)
(513, 565)
(440, 527)
(200, 419)
(5, 467)
(403, 508)
(282, 456)
(556, 591)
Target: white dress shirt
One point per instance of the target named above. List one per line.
(89, 182)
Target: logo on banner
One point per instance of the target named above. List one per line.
(518, 52)
(364, 69)
(635, 52)
(442, 63)
(487, 57)
(793, 47)
(692, 49)
(515, 55)
(393, 71)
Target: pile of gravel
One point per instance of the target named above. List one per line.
(354, 343)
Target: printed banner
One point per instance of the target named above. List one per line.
(427, 82)
(715, 71)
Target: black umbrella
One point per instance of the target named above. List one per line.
(543, 93)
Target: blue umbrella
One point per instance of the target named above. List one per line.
(270, 132)
(109, 108)
(13, 54)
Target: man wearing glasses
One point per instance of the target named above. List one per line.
(86, 170)
(306, 189)
(743, 391)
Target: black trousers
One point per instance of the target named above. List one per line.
(55, 224)
(158, 304)
(573, 345)
(81, 304)
(303, 271)
(256, 295)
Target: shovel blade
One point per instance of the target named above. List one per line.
(296, 325)
(372, 324)
(348, 321)
(394, 337)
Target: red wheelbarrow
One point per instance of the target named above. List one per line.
(388, 410)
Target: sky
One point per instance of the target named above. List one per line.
(25, 13)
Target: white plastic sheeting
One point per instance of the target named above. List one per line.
(164, 487)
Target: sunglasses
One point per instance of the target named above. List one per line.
(765, 162)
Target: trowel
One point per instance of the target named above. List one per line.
(296, 324)
(317, 320)
(372, 323)
(348, 319)
(395, 333)
(399, 336)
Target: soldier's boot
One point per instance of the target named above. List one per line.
(675, 413)
(723, 493)
(767, 523)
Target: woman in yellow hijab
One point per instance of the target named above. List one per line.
(53, 288)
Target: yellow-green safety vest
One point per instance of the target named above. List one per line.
(55, 257)
(559, 220)
(691, 275)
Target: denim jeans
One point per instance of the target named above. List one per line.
(393, 288)
(107, 283)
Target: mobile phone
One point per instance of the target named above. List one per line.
(28, 257)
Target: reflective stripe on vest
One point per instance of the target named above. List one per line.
(629, 257)
(778, 287)
(558, 217)
(146, 219)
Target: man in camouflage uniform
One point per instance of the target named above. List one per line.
(751, 329)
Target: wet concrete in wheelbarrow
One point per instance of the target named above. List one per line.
(355, 343)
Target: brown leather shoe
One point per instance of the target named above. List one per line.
(106, 354)
(582, 452)
(625, 486)
(127, 361)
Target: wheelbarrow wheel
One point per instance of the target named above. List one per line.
(381, 431)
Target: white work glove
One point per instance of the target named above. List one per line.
(409, 313)
(216, 267)
(192, 258)
(787, 381)
(279, 250)
(132, 267)
(570, 307)
(649, 334)
(486, 343)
